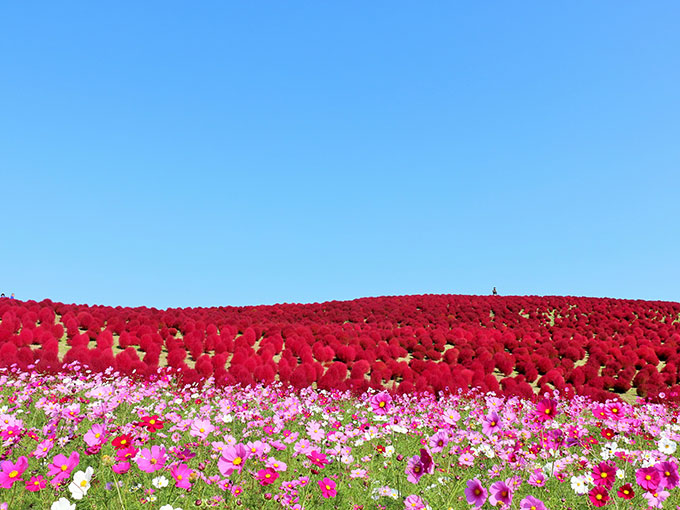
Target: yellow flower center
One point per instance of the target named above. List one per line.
(201, 430)
(64, 467)
(237, 461)
(381, 404)
(153, 461)
(83, 483)
(14, 474)
(97, 435)
(328, 487)
(152, 422)
(599, 496)
(179, 477)
(603, 475)
(648, 477)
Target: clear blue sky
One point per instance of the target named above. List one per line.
(233, 153)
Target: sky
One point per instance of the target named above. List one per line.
(176, 154)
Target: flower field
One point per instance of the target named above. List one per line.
(381, 403)
(92, 440)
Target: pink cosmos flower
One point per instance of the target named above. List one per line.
(181, 473)
(531, 503)
(537, 478)
(648, 478)
(201, 428)
(151, 460)
(414, 502)
(315, 431)
(381, 403)
(96, 435)
(36, 483)
(491, 423)
(475, 493)
(61, 467)
(255, 448)
(668, 475)
(655, 499)
(414, 469)
(604, 474)
(439, 441)
(11, 472)
(43, 448)
(327, 487)
(232, 459)
(276, 465)
(500, 493)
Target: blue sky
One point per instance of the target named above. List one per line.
(234, 153)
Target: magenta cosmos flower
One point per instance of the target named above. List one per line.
(648, 478)
(381, 403)
(414, 502)
(546, 410)
(232, 459)
(668, 475)
(604, 474)
(327, 487)
(151, 459)
(531, 503)
(500, 493)
(181, 474)
(266, 476)
(62, 466)
(10, 473)
(475, 492)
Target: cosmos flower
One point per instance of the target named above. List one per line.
(598, 496)
(11, 472)
(475, 492)
(327, 487)
(381, 403)
(232, 459)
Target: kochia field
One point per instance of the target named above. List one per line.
(511, 345)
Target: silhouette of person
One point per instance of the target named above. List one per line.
(494, 291)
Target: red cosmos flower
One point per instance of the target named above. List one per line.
(122, 441)
(607, 433)
(598, 496)
(626, 491)
(151, 423)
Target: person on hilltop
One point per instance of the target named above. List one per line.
(12, 296)
(494, 292)
(3, 295)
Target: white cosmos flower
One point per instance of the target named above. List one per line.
(81, 483)
(668, 447)
(579, 484)
(159, 482)
(63, 504)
